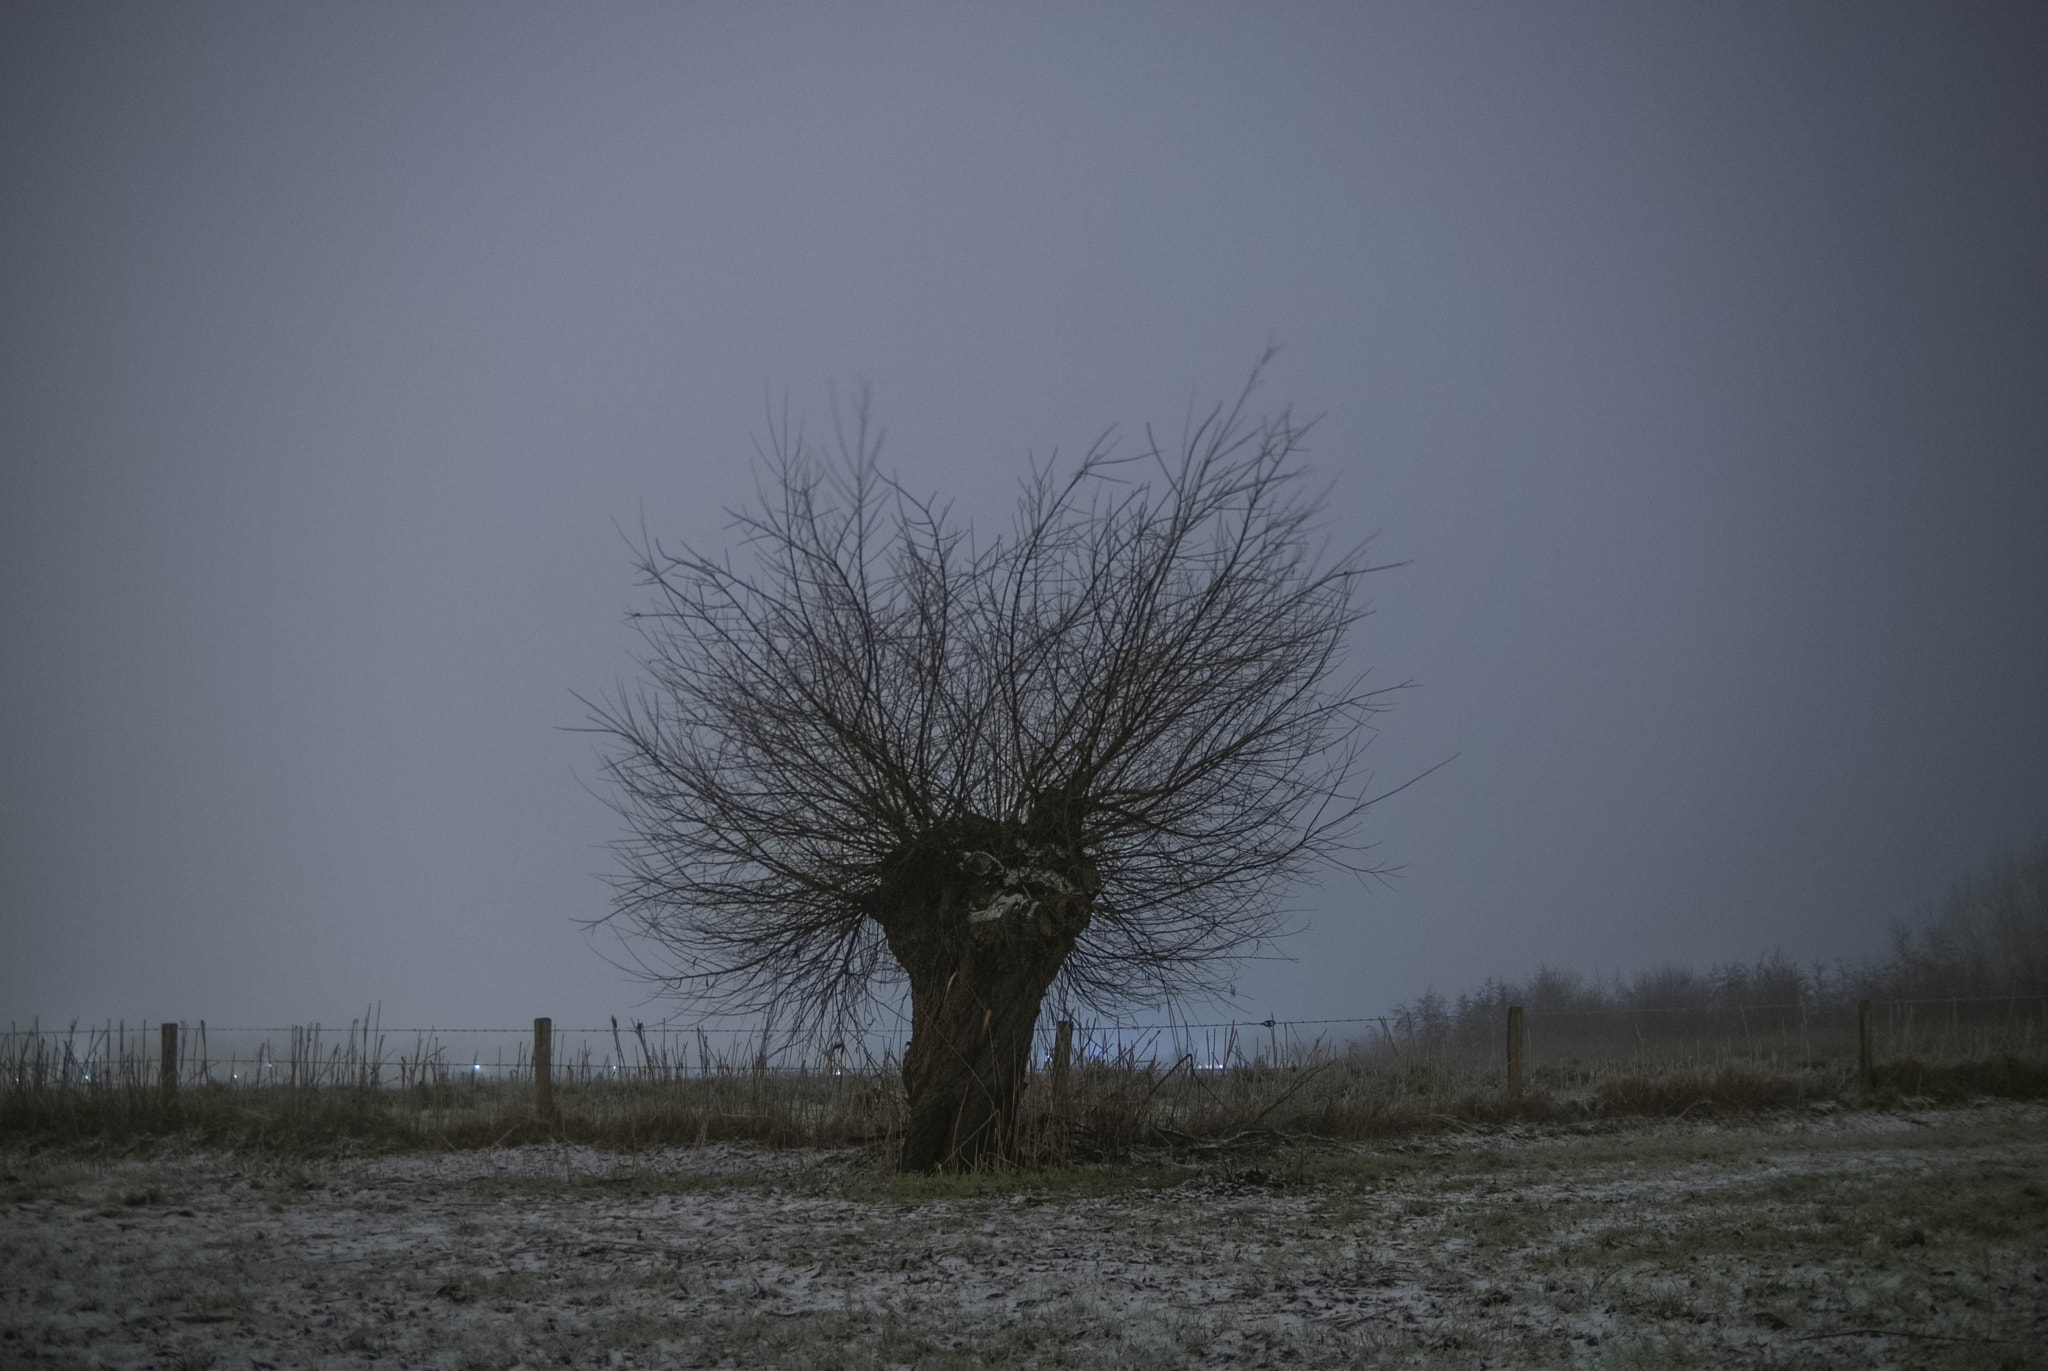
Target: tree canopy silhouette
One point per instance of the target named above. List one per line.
(1084, 758)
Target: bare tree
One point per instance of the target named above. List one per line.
(1087, 757)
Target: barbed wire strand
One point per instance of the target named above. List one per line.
(755, 1032)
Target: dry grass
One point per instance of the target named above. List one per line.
(1110, 1107)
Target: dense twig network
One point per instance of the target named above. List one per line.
(1134, 698)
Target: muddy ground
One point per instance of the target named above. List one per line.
(1838, 1239)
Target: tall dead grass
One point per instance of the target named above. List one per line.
(102, 1091)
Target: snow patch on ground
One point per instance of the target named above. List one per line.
(1675, 1244)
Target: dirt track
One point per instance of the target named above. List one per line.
(1824, 1240)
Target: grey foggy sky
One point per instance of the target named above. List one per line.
(1696, 356)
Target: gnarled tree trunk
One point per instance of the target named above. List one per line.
(981, 925)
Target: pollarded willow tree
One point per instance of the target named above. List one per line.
(1087, 757)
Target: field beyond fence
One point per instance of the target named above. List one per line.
(1123, 1086)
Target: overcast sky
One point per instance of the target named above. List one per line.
(1694, 358)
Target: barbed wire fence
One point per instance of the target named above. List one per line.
(1480, 1038)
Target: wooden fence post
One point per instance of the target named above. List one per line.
(1866, 1047)
(1514, 1052)
(543, 1068)
(167, 1069)
(1062, 1050)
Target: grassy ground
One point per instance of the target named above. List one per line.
(1107, 1110)
(1827, 1237)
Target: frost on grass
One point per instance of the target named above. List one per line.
(1849, 1240)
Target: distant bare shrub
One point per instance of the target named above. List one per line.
(1988, 937)
(1987, 941)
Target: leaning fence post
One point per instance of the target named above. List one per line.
(543, 1068)
(1514, 1052)
(1062, 1049)
(1866, 1047)
(167, 1069)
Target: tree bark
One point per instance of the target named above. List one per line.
(981, 928)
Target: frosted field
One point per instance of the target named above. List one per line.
(1822, 1240)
